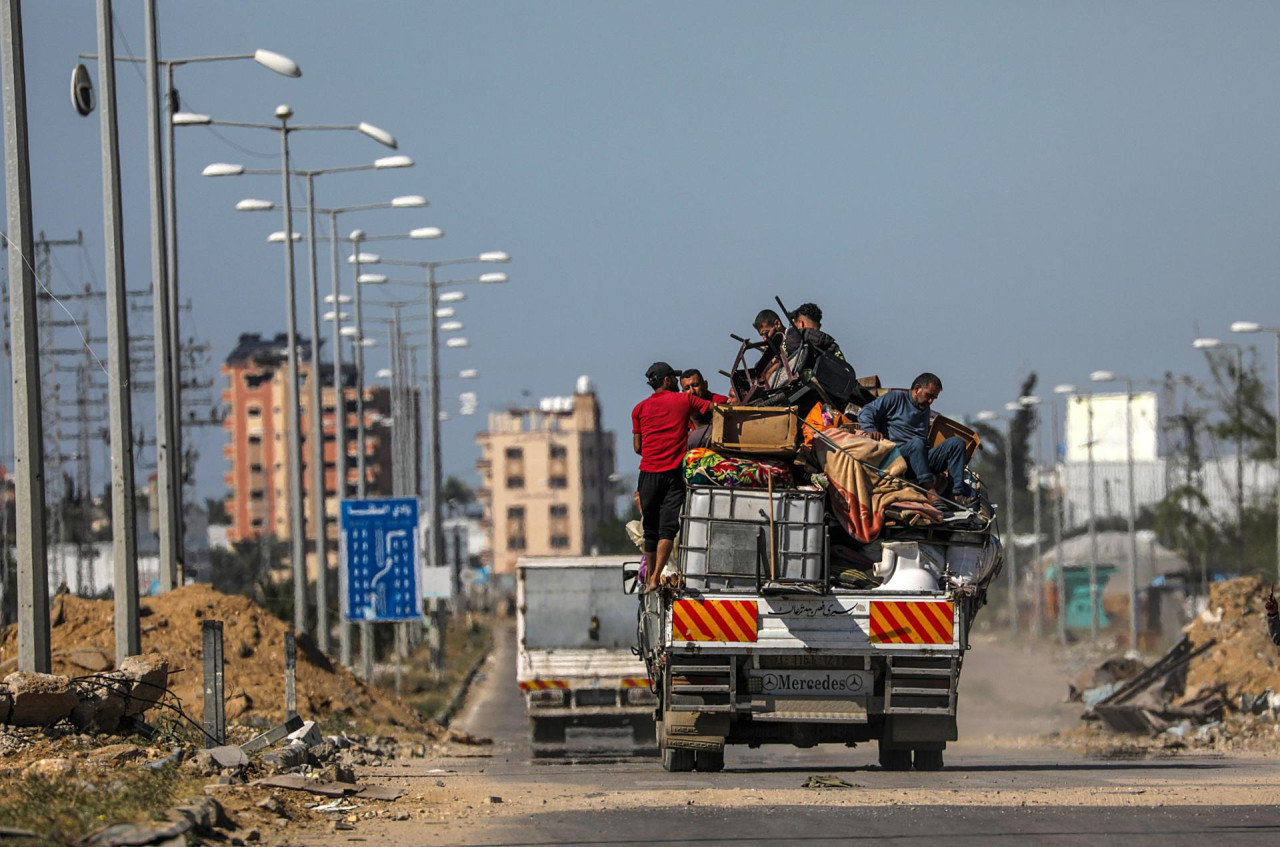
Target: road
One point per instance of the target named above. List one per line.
(1003, 782)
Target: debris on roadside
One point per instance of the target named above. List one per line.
(1217, 688)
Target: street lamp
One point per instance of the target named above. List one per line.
(297, 528)
(1058, 490)
(1250, 326)
(164, 233)
(435, 553)
(1108, 376)
(1215, 344)
(1032, 403)
(1012, 546)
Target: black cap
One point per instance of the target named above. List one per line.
(659, 370)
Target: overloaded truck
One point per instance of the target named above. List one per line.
(815, 595)
(575, 664)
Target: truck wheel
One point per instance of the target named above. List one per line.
(895, 760)
(928, 760)
(710, 761)
(677, 760)
(547, 730)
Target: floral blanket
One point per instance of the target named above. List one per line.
(707, 467)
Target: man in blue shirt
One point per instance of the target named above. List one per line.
(903, 418)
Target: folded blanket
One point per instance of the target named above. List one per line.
(707, 467)
(864, 477)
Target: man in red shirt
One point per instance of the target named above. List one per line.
(693, 382)
(659, 429)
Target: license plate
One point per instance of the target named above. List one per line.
(842, 683)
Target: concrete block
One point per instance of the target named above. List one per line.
(39, 699)
(6, 703)
(308, 735)
(147, 676)
(229, 756)
(101, 703)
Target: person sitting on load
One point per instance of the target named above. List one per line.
(807, 318)
(659, 430)
(903, 417)
(693, 382)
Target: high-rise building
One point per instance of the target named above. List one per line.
(257, 421)
(546, 475)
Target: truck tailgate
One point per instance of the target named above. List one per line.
(921, 624)
(587, 668)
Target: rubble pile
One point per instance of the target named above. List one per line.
(83, 645)
(1218, 687)
(101, 702)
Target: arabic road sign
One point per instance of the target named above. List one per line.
(379, 560)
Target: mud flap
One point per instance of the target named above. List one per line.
(695, 730)
(918, 732)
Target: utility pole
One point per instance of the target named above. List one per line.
(33, 585)
(167, 478)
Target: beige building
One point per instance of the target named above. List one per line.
(546, 478)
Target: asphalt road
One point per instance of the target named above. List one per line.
(499, 795)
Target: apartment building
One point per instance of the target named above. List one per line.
(546, 478)
(258, 401)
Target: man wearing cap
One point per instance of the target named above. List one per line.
(659, 429)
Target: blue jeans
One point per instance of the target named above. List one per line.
(925, 462)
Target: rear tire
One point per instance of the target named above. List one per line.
(677, 760)
(710, 761)
(895, 760)
(928, 760)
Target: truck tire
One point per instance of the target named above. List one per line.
(928, 760)
(677, 760)
(547, 730)
(710, 761)
(895, 760)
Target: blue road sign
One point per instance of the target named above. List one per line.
(379, 560)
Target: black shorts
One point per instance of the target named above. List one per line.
(661, 499)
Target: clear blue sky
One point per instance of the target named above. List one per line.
(977, 189)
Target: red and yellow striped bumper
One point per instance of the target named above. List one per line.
(542, 684)
(911, 622)
(714, 620)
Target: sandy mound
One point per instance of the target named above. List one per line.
(1244, 659)
(253, 643)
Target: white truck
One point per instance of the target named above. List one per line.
(576, 666)
(755, 642)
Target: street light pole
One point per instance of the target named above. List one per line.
(124, 534)
(1108, 376)
(339, 418)
(1250, 326)
(28, 434)
(1037, 597)
(317, 437)
(167, 475)
(298, 528)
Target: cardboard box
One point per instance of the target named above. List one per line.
(942, 427)
(757, 430)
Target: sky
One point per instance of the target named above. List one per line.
(979, 189)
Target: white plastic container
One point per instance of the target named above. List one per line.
(726, 533)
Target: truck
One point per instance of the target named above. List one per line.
(755, 641)
(576, 666)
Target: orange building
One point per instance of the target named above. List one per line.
(258, 403)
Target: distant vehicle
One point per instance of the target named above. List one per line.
(576, 666)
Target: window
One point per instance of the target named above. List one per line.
(559, 542)
(515, 528)
(558, 482)
(255, 468)
(255, 439)
(559, 511)
(256, 494)
(514, 453)
(254, 411)
(515, 482)
(558, 451)
(256, 523)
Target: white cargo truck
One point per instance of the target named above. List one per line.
(756, 642)
(576, 666)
